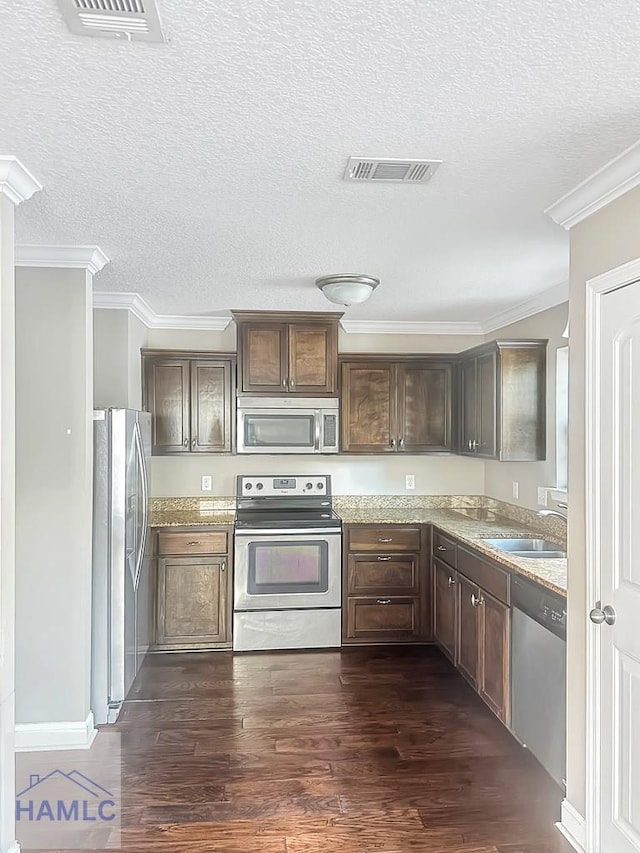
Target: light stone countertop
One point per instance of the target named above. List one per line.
(191, 517)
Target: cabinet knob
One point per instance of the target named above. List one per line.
(441, 548)
(292, 383)
(194, 442)
(393, 442)
(402, 442)
(452, 581)
(470, 444)
(383, 601)
(284, 383)
(191, 544)
(382, 559)
(186, 442)
(475, 601)
(223, 567)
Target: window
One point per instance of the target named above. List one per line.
(562, 417)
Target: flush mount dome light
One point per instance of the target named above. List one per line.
(347, 289)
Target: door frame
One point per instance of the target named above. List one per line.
(597, 287)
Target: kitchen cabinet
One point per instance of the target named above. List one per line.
(472, 619)
(384, 591)
(193, 589)
(282, 354)
(392, 406)
(502, 401)
(191, 398)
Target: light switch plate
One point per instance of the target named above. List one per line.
(516, 489)
(206, 483)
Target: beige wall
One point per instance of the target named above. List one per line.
(499, 476)
(446, 475)
(54, 478)
(117, 339)
(602, 242)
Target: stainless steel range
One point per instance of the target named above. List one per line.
(287, 565)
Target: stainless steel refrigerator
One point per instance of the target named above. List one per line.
(122, 588)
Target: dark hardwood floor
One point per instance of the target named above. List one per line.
(379, 749)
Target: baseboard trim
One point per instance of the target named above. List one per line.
(573, 826)
(42, 737)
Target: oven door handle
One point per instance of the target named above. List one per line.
(317, 430)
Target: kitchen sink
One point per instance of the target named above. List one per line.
(537, 549)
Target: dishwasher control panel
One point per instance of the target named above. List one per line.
(543, 605)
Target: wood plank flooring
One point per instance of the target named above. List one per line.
(378, 749)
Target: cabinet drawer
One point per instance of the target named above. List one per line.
(380, 619)
(384, 539)
(489, 577)
(445, 549)
(195, 542)
(391, 574)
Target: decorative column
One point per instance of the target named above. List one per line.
(17, 184)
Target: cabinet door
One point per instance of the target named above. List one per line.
(368, 408)
(468, 630)
(487, 404)
(468, 397)
(382, 619)
(313, 359)
(167, 398)
(424, 407)
(444, 608)
(263, 356)
(494, 655)
(383, 574)
(192, 601)
(211, 406)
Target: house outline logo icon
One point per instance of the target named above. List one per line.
(44, 800)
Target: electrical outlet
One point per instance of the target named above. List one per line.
(206, 483)
(516, 489)
(542, 496)
(410, 481)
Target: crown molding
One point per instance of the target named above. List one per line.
(549, 298)
(90, 258)
(16, 181)
(134, 303)
(141, 309)
(606, 185)
(409, 327)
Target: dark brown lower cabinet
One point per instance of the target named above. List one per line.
(468, 630)
(495, 624)
(445, 612)
(383, 620)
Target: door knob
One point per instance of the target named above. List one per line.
(601, 614)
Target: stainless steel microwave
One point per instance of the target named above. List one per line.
(287, 425)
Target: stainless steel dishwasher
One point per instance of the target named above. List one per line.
(539, 673)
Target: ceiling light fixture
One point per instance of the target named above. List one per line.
(346, 288)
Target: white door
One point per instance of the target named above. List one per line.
(613, 501)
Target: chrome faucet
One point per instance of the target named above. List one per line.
(545, 513)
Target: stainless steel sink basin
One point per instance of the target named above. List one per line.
(477, 513)
(537, 549)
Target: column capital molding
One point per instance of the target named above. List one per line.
(16, 181)
(90, 258)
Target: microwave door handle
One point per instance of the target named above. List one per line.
(317, 423)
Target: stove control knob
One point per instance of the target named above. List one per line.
(248, 486)
(320, 485)
(309, 486)
(259, 486)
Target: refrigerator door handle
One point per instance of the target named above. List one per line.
(145, 505)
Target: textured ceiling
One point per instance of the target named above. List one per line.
(209, 168)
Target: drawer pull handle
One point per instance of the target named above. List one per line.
(441, 548)
(384, 558)
(385, 539)
(191, 544)
(384, 601)
(451, 581)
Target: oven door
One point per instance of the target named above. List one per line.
(287, 570)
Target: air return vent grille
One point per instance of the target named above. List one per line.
(386, 170)
(136, 20)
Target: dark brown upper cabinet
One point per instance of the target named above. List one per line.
(281, 353)
(503, 401)
(191, 397)
(391, 406)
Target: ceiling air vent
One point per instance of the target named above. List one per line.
(386, 170)
(135, 20)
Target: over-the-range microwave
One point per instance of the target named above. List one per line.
(287, 425)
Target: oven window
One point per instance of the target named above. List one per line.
(279, 430)
(288, 567)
